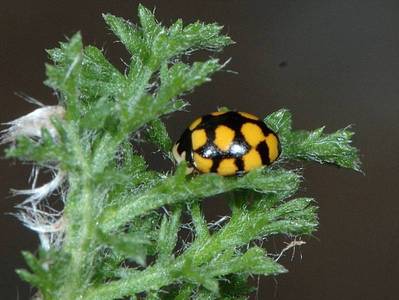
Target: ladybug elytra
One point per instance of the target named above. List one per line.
(227, 143)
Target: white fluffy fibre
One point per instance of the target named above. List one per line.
(37, 194)
(35, 212)
(48, 225)
(31, 125)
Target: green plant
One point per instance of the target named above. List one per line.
(112, 239)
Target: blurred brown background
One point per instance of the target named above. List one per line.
(331, 63)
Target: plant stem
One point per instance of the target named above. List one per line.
(152, 278)
(79, 236)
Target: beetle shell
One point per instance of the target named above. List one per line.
(227, 143)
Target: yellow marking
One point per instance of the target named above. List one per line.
(251, 160)
(227, 167)
(272, 144)
(247, 115)
(202, 164)
(252, 133)
(198, 138)
(224, 137)
(218, 113)
(195, 123)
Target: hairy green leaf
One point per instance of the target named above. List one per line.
(334, 148)
(64, 75)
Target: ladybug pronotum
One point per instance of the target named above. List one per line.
(227, 143)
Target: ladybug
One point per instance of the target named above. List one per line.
(227, 143)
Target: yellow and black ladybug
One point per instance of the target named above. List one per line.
(227, 143)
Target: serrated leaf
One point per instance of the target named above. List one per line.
(295, 217)
(107, 266)
(179, 40)
(199, 221)
(172, 190)
(334, 148)
(33, 263)
(132, 245)
(32, 279)
(64, 75)
(148, 23)
(152, 295)
(194, 274)
(175, 105)
(206, 36)
(255, 261)
(99, 77)
(168, 234)
(235, 286)
(57, 55)
(281, 123)
(181, 78)
(97, 114)
(130, 172)
(129, 35)
(183, 294)
(45, 150)
(157, 134)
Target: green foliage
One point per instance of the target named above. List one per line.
(334, 148)
(122, 221)
(156, 133)
(64, 77)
